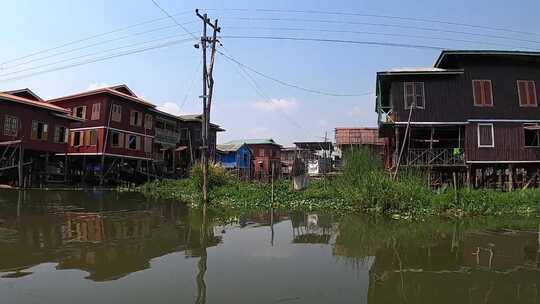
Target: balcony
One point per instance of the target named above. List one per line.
(166, 136)
(434, 157)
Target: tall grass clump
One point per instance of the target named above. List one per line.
(365, 182)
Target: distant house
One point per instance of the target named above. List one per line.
(235, 157)
(191, 135)
(266, 154)
(351, 138)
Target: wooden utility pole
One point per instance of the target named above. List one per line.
(208, 90)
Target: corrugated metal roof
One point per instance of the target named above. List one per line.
(229, 147)
(265, 141)
(110, 90)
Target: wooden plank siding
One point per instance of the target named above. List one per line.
(450, 97)
(509, 144)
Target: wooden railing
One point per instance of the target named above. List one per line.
(435, 157)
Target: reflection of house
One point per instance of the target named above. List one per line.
(235, 157)
(108, 245)
(312, 228)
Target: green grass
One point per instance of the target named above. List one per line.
(364, 187)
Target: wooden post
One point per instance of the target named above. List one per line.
(469, 178)
(500, 183)
(65, 168)
(511, 177)
(455, 187)
(83, 178)
(21, 164)
(47, 168)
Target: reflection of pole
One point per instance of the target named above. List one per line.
(20, 194)
(272, 226)
(201, 284)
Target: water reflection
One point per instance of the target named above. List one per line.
(274, 256)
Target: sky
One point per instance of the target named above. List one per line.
(170, 77)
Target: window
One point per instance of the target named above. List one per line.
(482, 91)
(96, 109)
(133, 142)
(116, 113)
(11, 125)
(527, 93)
(117, 139)
(135, 119)
(532, 135)
(148, 121)
(485, 136)
(61, 135)
(93, 137)
(40, 131)
(78, 137)
(148, 145)
(261, 152)
(414, 95)
(80, 112)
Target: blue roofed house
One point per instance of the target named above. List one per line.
(235, 156)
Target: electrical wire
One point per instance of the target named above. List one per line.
(371, 33)
(290, 84)
(173, 19)
(399, 26)
(89, 38)
(89, 46)
(91, 54)
(135, 51)
(357, 14)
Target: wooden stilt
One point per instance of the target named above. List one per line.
(511, 177)
(20, 166)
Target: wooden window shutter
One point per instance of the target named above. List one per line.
(96, 109)
(66, 134)
(33, 135)
(148, 145)
(409, 94)
(531, 93)
(138, 143)
(120, 140)
(72, 139)
(522, 92)
(488, 95)
(478, 96)
(132, 118)
(87, 137)
(45, 134)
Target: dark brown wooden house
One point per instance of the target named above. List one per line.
(32, 135)
(474, 113)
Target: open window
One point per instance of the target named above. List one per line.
(414, 95)
(61, 135)
(11, 125)
(80, 112)
(117, 139)
(532, 135)
(486, 136)
(133, 142)
(40, 131)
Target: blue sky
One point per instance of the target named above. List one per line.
(168, 76)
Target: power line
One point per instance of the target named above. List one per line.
(91, 54)
(173, 19)
(370, 33)
(89, 38)
(403, 45)
(135, 51)
(383, 25)
(290, 84)
(89, 46)
(425, 20)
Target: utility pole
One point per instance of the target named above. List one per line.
(208, 90)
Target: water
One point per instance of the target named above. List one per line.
(107, 247)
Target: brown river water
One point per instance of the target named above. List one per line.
(109, 247)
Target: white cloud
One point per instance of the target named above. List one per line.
(259, 132)
(171, 108)
(273, 105)
(97, 85)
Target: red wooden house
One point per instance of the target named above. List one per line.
(32, 131)
(116, 135)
